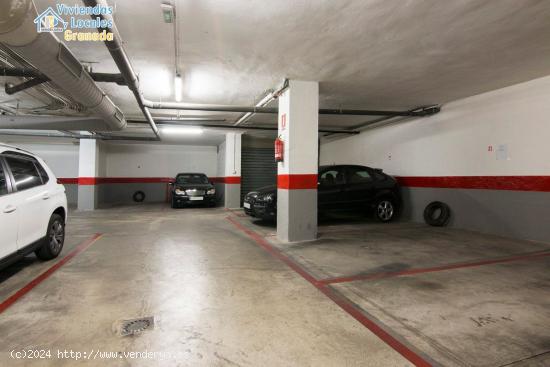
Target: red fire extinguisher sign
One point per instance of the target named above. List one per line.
(279, 149)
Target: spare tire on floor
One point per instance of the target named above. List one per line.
(437, 214)
(138, 196)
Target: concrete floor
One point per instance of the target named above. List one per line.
(224, 292)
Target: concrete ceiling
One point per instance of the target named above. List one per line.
(372, 54)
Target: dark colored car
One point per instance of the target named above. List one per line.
(192, 189)
(250, 199)
(340, 188)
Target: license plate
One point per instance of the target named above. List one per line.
(246, 205)
(196, 198)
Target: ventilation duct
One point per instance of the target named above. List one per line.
(34, 122)
(56, 61)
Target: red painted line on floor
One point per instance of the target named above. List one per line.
(353, 310)
(39, 279)
(353, 278)
(273, 251)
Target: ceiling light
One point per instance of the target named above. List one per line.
(182, 130)
(178, 91)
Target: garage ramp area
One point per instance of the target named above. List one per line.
(216, 288)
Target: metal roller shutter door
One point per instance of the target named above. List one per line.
(258, 168)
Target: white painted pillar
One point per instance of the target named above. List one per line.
(88, 171)
(232, 173)
(297, 174)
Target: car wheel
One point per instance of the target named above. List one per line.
(55, 238)
(385, 210)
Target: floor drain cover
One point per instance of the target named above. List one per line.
(136, 326)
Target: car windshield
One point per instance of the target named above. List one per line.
(189, 178)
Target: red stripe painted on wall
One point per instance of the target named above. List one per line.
(125, 180)
(293, 182)
(68, 181)
(226, 180)
(297, 182)
(518, 183)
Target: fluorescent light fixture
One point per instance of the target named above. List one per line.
(178, 91)
(182, 130)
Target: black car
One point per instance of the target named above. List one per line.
(340, 188)
(250, 198)
(192, 189)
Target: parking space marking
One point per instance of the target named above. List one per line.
(349, 307)
(39, 279)
(502, 260)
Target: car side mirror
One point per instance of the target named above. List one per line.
(171, 183)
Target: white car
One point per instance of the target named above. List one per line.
(33, 207)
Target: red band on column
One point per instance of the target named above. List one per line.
(87, 180)
(232, 180)
(297, 182)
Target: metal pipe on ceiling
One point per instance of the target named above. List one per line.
(12, 89)
(122, 61)
(48, 122)
(421, 111)
(271, 96)
(33, 73)
(262, 103)
(45, 52)
(75, 136)
(233, 127)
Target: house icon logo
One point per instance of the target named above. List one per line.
(50, 21)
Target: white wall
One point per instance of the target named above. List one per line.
(61, 155)
(455, 142)
(122, 159)
(153, 160)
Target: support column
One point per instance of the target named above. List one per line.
(297, 174)
(232, 173)
(88, 171)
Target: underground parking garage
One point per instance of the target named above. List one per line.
(337, 183)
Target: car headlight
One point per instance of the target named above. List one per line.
(179, 192)
(211, 192)
(269, 198)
